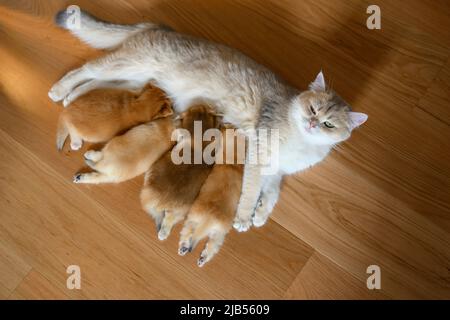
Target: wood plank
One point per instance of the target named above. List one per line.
(381, 198)
(436, 101)
(114, 245)
(357, 224)
(36, 287)
(322, 279)
(13, 266)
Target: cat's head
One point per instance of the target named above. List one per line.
(322, 116)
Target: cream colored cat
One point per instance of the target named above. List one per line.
(249, 96)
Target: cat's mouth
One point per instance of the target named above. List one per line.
(310, 126)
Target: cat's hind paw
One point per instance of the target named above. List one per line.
(57, 92)
(261, 214)
(242, 224)
(259, 220)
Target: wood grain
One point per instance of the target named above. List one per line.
(36, 287)
(322, 279)
(381, 198)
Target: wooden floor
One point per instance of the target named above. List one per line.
(382, 198)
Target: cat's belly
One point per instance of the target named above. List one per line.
(292, 160)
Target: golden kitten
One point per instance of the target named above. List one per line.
(213, 211)
(129, 155)
(170, 189)
(100, 114)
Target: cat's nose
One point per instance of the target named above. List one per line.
(313, 123)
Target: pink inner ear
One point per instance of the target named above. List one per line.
(319, 83)
(357, 119)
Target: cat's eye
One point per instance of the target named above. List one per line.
(312, 110)
(328, 124)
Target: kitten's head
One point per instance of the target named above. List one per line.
(322, 116)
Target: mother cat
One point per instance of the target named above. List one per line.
(249, 95)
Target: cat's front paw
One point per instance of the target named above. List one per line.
(242, 224)
(259, 220)
(261, 214)
(57, 92)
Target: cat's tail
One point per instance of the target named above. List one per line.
(62, 132)
(95, 32)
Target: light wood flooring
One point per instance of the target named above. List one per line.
(382, 198)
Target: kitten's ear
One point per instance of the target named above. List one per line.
(165, 111)
(357, 119)
(319, 83)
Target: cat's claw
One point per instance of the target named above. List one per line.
(242, 224)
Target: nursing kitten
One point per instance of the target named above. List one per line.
(213, 211)
(170, 189)
(99, 115)
(129, 155)
(248, 95)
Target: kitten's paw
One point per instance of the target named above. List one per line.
(201, 261)
(77, 178)
(205, 256)
(75, 145)
(57, 92)
(93, 155)
(183, 250)
(163, 234)
(242, 224)
(184, 247)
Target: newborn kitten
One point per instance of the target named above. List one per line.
(213, 211)
(100, 114)
(170, 189)
(129, 155)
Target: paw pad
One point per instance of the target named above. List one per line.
(77, 177)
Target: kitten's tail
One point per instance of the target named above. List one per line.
(95, 32)
(61, 134)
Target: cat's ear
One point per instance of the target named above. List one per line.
(319, 83)
(357, 119)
